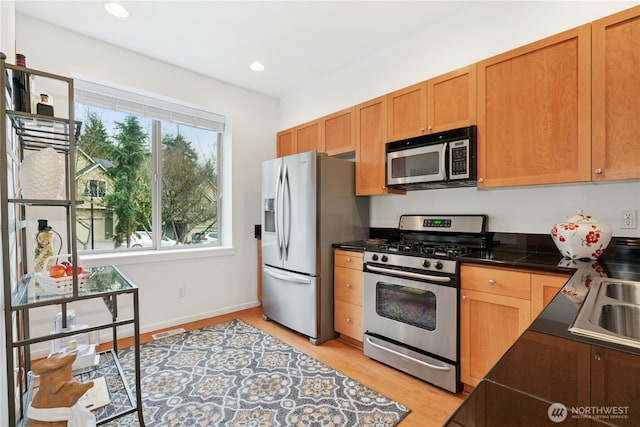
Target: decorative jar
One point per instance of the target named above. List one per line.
(42, 175)
(581, 237)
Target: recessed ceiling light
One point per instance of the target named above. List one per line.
(116, 9)
(256, 66)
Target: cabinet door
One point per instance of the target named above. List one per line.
(339, 132)
(616, 96)
(286, 143)
(307, 137)
(451, 100)
(568, 360)
(407, 112)
(534, 112)
(347, 285)
(348, 320)
(371, 137)
(614, 383)
(543, 288)
(489, 325)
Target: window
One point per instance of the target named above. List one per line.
(146, 171)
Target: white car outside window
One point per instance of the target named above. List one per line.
(142, 239)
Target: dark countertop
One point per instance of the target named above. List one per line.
(548, 364)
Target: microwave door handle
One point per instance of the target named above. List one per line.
(444, 161)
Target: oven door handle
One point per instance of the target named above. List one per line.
(411, 274)
(412, 359)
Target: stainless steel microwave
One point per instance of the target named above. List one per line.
(437, 160)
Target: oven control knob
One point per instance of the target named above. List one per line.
(439, 265)
(426, 263)
(385, 258)
(374, 257)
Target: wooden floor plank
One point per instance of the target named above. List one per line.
(430, 406)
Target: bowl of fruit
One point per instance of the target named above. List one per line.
(57, 275)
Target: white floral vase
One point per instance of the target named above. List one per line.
(586, 271)
(42, 175)
(581, 237)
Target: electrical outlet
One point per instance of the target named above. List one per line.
(181, 292)
(628, 219)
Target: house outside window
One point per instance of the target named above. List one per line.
(146, 172)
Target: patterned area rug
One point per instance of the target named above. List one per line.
(233, 374)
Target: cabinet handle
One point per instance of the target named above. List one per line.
(348, 285)
(597, 356)
(480, 179)
(348, 259)
(491, 282)
(464, 297)
(348, 320)
(430, 128)
(598, 171)
(421, 130)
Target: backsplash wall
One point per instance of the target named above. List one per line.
(531, 209)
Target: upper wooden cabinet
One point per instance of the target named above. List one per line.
(616, 96)
(304, 137)
(534, 112)
(308, 137)
(407, 112)
(338, 134)
(451, 100)
(371, 136)
(286, 143)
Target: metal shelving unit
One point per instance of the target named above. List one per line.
(22, 291)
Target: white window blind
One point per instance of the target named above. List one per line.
(107, 97)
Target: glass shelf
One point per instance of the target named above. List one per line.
(101, 282)
(37, 131)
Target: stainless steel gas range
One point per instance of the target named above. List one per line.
(411, 295)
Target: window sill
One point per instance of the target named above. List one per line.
(151, 256)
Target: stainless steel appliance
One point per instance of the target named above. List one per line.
(411, 293)
(308, 204)
(437, 160)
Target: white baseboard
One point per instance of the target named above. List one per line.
(125, 332)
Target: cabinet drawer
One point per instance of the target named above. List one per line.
(347, 285)
(348, 259)
(497, 281)
(348, 319)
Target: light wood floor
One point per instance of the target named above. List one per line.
(430, 406)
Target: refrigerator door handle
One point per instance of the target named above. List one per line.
(286, 202)
(278, 212)
(273, 273)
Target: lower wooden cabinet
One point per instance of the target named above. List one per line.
(347, 293)
(497, 305)
(543, 288)
(614, 383)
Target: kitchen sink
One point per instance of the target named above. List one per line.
(621, 319)
(627, 292)
(610, 312)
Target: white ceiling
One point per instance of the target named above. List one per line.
(298, 41)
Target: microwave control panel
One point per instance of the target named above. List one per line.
(459, 159)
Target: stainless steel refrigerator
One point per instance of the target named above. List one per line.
(309, 203)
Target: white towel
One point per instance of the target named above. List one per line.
(76, 416)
